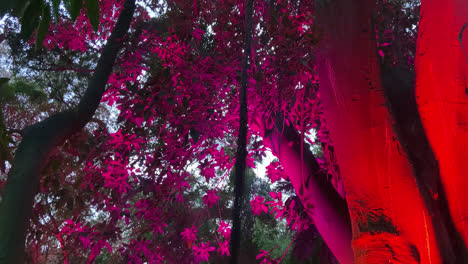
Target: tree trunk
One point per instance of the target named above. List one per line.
(388, 216)
(398, 82)
(323, 203)
(38, 142)
(241, 154)
(442, 97)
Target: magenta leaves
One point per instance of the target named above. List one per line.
(258, 205)
(275, 172)
(210, 198)
(174, 91)
(202, 251)
(189, 235)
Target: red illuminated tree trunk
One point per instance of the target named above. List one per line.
(388, 216)
(442, 97)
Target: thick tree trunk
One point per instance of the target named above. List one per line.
(323, 203)
(389, 219)
(442, 97)
(38, 142)
(399, 86)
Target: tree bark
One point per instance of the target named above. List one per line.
(388, 216)
(241, 154)
(399, 86)
(38, 142)
(323, 203)
(442, 97)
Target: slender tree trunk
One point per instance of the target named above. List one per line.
(38, 142)
(323, 203)
(388, 216)
(241, 154)
(442, 97)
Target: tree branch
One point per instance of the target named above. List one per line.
(38, 142)
(321, 200)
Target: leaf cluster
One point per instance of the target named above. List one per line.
(36, 15)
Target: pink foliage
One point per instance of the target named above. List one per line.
(189, 235)
(202, 252)
(210, 198)
(224, 248)
(275, 172)
(224, 230)
(176, 99)
(258, 205)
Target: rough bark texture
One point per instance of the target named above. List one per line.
(399, 86)
(241, 154)
(442, 98)
(328, 209)
(38, 142)
(389, 220)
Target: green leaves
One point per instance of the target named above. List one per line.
(36, 14)
(6, 92)
(10, 89)
(30, 18)
(15, 7)
(56, 9)
(92, 6)
(43, 26)
(74, 7)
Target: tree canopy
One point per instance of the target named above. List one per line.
(131, 132)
